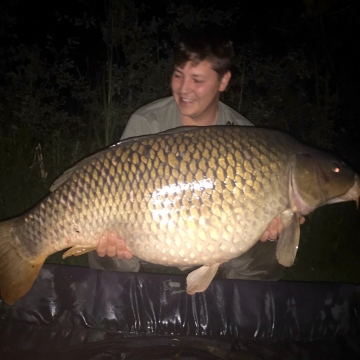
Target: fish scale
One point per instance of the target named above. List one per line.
(158, 207)
(191, 196)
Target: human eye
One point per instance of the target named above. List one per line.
(177, 75)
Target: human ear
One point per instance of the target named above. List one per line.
(225, 81)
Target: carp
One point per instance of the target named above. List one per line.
(187, 197)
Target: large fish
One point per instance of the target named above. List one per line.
(187, 197)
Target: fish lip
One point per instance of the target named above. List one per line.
(357, 182)
(352, 194)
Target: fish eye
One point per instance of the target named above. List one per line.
(336, 167)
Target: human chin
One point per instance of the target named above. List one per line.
(188, 110)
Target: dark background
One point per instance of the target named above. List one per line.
(72, 72)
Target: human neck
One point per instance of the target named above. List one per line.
(208, 119)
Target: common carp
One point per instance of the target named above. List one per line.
(187, 197)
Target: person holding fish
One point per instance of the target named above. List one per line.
(202, 62)
(197, 196)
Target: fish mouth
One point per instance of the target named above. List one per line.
(352, 194)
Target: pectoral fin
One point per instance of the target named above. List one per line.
(78, 250)
(289, 238)
(199, 279)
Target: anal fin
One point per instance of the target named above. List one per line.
(199, 279)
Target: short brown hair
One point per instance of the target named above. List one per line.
(206, 43)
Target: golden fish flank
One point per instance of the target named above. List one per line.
(187, 197)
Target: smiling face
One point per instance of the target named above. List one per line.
(196, 90)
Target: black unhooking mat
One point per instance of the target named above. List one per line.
(79, 313)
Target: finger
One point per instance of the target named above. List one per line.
(265, 236)
(128, 255)
(120, 254)
(120, 243)
(113, 236)
(102, 246)
(111, 249)
(120, 248)
(122, 251)
(302, 220)
(273, 229)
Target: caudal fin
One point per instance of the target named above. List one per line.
(17, 272)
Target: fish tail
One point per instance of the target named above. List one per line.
(17, 272)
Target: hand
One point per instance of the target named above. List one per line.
(113, 245)
(275, 228)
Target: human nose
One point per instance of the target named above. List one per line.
(185, 85)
